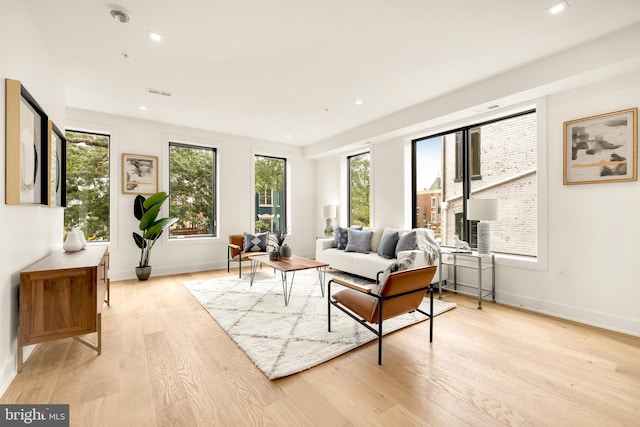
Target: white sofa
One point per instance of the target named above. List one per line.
(365, 264)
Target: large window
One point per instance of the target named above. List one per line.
(270, 193)
(192, 190)
(87, 184)
(359, 189)
(490, 160)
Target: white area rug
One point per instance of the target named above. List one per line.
(283, 340)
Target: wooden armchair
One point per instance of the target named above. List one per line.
(236, 252)
(401, 292)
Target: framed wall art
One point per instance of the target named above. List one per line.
(57, 167)
(601, 148)
(27, 147)
(139, 174)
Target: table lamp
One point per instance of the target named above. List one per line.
(328, 213)
(483, 210)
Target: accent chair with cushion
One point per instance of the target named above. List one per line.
(397, 293)
(242, 246)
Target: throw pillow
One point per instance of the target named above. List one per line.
(407, 242)
(336, 235)
(343, 238)
(387, 247)
(375, 239)
(358, 241)
(255, 242)
(403, 263)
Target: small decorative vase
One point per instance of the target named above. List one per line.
(274, 255)
(80, 234)
(143, 273)
(285, 251)
(73, 243)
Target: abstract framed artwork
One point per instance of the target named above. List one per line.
(139, 174)
(602, 148)
(57, 167)
(27, 148)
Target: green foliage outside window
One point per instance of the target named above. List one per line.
(87, 185)
(360, 186)
(192, 190)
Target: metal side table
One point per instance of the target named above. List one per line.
(470, 260)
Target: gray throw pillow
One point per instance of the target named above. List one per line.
(255, 242)
(407, 242)
(387, 247)
(343, 238)
(336, 237)
(358, 241)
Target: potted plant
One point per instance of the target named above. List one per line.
(146, 211)
(281, 247)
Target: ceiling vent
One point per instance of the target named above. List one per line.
(159, 92)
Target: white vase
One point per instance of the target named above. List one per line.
(73, 243)
(80, 234)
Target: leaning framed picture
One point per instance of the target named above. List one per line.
(139, 174)
(57, 167)
(27, 147)
(601, 148)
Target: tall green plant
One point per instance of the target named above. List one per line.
(146, 211)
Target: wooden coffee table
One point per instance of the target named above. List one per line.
(289, 265)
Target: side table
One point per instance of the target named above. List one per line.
(470, 260)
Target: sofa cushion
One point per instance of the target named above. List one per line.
(255, 242)
(387, 248)
(375, 238)
(358, 241)
(407, 241)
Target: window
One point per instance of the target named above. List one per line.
(192, 190)
(508, 165)
(88, 185)
(270, 193)
(359, 189)
(474, 153)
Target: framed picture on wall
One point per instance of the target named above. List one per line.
(139, 174)
(27, 147)
(601, 148)
(57, 167)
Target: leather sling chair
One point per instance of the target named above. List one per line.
(401, 292)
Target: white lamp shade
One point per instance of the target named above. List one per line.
(483, 209)
(329, 211)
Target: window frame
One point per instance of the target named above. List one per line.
(285, 190)
(214, 188)
(113, 192)
(349, 188)
(469, 228)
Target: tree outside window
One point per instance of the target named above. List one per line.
(88, 184)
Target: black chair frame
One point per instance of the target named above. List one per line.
(381, 300)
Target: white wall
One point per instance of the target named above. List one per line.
(235, 189)
(28, 232)
(589, 229)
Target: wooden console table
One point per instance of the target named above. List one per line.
(62, 296)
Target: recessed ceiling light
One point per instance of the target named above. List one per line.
(359, 102)
(142, 108)
(155, 36)
(558, 7)
(288, 136)
(120, 15)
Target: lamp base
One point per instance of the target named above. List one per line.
(484, 232)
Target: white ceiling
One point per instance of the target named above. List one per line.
(268, 69)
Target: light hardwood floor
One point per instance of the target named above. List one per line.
(165, 362)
